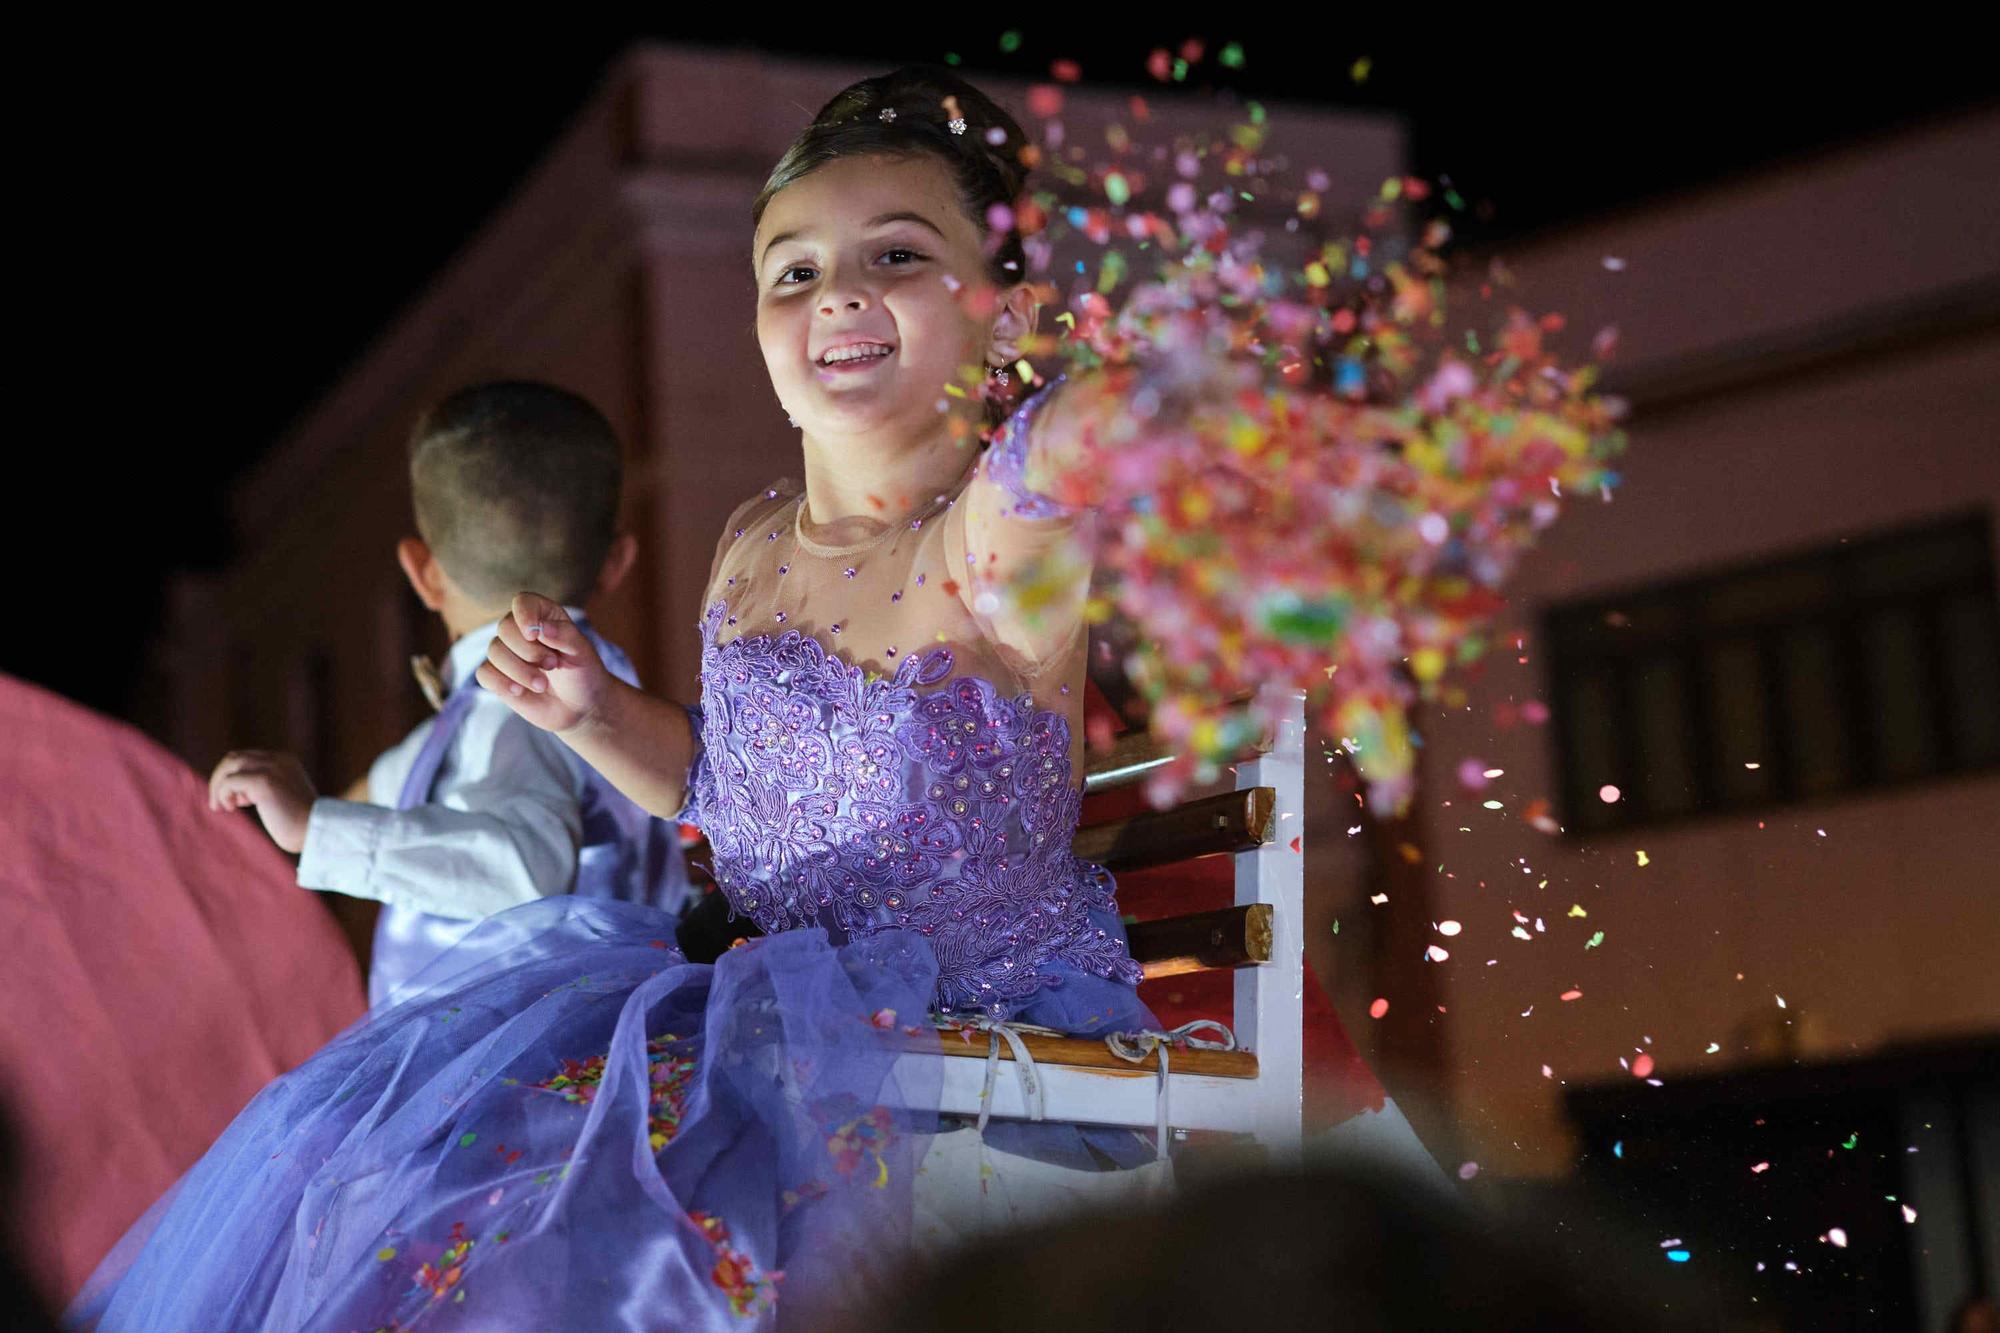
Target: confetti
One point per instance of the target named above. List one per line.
(1571, 995)
(1596, 939)
(1838, 1236)
(1467, 1170)
(1645, 860)
(1760, 1168)
(1449, 927)
(1642, 1067)
(1436, 954)
(1909, 1213)
(1319, 484)
(1608, 794)
(1679, 1256)
(1379, 1008)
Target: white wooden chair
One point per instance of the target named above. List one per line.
(1256, 1089)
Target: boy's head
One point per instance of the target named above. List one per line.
(515, 486)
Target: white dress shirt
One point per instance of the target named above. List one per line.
(502, 826)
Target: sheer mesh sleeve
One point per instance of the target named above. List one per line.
(1006, 461)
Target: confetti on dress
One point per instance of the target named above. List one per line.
(1325, 466)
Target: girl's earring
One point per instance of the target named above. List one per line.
(1000, 376)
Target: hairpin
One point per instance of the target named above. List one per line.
(887, 115)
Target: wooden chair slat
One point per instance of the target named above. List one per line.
(1124, 761)
(1089, 1053)
(1132, 756)
(1234, 821)
(1203, 941)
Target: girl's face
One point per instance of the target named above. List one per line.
(872, 294)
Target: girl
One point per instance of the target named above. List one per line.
(590, 1132)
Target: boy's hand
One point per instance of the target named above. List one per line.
(275, 783)
(544, 668)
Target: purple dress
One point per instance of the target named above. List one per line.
(587, 1131)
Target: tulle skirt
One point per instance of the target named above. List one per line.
(587, 1132)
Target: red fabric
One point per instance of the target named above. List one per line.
(161, 965)
(1338, 1082)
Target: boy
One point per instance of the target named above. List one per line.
(477, 811)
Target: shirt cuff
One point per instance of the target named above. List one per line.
(339, 853)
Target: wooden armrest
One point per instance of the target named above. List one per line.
(1203, 941)
(1124, 761)
(1135, 754)
(1234, 821)
(1091, 1053)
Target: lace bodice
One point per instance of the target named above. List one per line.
(832, 796)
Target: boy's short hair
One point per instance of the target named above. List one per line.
(515, 486)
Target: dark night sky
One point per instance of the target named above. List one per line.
(221, 219)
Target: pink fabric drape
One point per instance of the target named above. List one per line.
(158, 965)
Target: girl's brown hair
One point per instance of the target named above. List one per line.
(913, 111)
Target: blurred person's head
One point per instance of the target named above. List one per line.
(887, 261)
(1319, 1249)
(515, 487)
(1976, 1315)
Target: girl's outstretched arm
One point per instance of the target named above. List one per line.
(543, 667)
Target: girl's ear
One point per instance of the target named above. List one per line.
(421, 568)
(1012, 325)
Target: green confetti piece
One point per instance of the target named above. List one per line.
(1010, 41)
(467, 1139)
(951, 57)
(385, 1254)
(1180, 70)
(1232, 55)
(1852, 1139)
(1595, 940)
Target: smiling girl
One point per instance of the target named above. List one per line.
(591, 1132)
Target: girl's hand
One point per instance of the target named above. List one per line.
(275, 783)
(544, 669)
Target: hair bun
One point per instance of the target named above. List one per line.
(928, 101)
